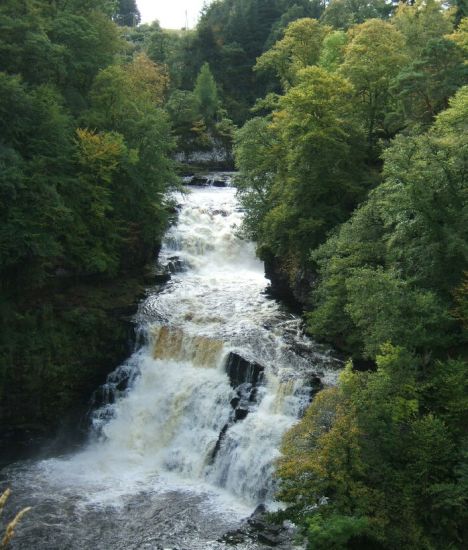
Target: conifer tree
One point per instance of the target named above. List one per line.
(206, 94)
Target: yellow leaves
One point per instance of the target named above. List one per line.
(148, 81)
(10, 528)
(322, 452)
(4, 498)
(422, 21)
(460, 36)
(101, 152)
(99, 147)
(300, 47)
(376, 51)
(128, 91)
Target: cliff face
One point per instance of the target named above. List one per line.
(56, 347)
(293, 289)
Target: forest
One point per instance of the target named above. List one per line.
(347, 124)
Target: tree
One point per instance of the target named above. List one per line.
(369, 460)
(35, 151)
(182, 107)
(342, 14)
(425, 86)
(256, 151)
(299, 48)
(421, 21)
(407, 241)
(127, 14)
(460, 36)
(317, 176)
(373, 58)
(332, 54)
(206, 95)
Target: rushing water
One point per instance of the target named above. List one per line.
(184, 442)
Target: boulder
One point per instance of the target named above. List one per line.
(241, 371)
(240, 414)
(221, 437)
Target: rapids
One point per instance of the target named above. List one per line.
(184, 440)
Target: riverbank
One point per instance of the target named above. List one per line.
(58, 344)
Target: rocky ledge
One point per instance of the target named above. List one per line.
(260, 528)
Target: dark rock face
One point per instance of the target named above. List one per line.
(222, 435)
(259, 528)
(241, 371)
(222, 213)
(92, 328)
(245, 377)
(198, 180)
(241, 413)
(163, 272)
(215, 180)
(175, 265)
(295, 293)
(162, 276)
(315, 385)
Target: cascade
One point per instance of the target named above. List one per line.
(201, 406)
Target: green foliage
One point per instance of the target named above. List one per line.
(206, 95)
(256, 150)
(403, 252)
(231, 35)
(373, 58)
(299, 48)
(342, 14)
(383, 308)
(182, 107)
(84, 174)
(332, 54)
(313, 176)
(422, 21)
(127, 13)
(460, 36)
(425, 86)
(198, 120)
(335, 532)
(56, 348)
(371, 461)
(380, 460)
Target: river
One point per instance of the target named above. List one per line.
(183, 444)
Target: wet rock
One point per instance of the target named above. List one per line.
(122, 385)
(253, 395)
(315, 385)
(259, 528)
(294, 292)
(220, 183)
(240, 414)
(175, 265)
(233, 537)
(198, 180)
(222, 435)
(220, 213)
(259, 510)
(161, 276)
(235, 402)
(241, 371)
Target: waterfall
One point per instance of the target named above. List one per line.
(199, 409)
(218, 383)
